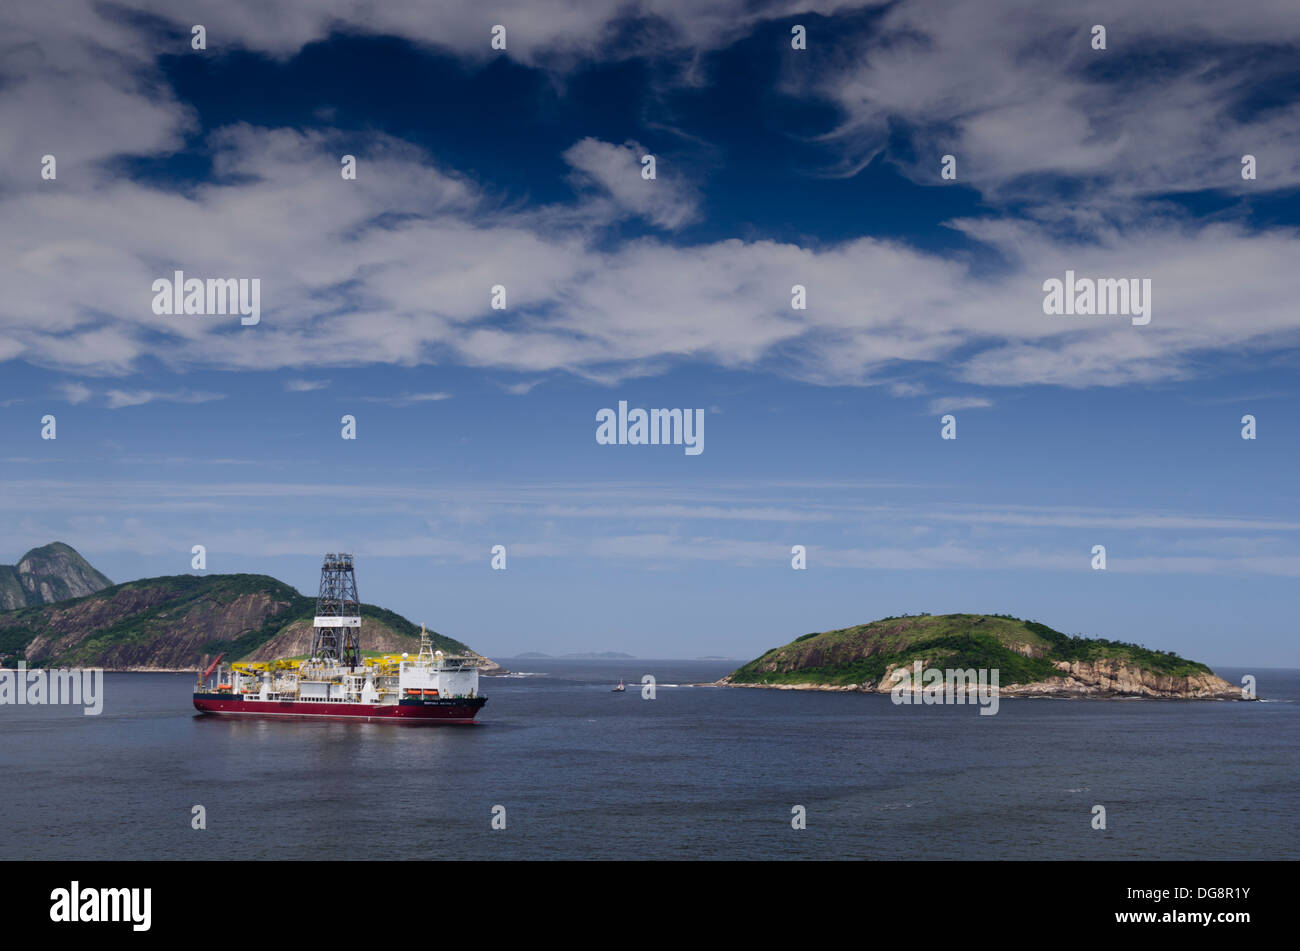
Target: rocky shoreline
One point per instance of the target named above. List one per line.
(1101, 680)
(490, 668)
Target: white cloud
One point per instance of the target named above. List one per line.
(523, 388)
(75, 392)
(951, 404)
(406, 399)
(395, 268)
(341, 284)
(616, 170)
(118, 399)
(305, 386)
(1013, 89)
(905, 389)
(553, 34)
(82, 86)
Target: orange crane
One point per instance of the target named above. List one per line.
(211, 667)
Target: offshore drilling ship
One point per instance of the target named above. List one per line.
(335, 682)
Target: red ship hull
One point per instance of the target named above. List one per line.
(448, 710)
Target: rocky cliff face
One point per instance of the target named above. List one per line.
(1111, 678)
(44, 575)
(1099, 679)
(147, 627)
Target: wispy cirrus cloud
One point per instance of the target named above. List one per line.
(1014, 90)
(950, 404)
(119, 399)
(406, 399)
(523, 388)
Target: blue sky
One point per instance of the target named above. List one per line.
(775, 166)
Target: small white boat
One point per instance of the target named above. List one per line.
(620, 688)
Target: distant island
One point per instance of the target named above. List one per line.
(1032, 660)
(589, 655)
(67, 614)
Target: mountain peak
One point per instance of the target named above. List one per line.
(53, 572)
(53, 548)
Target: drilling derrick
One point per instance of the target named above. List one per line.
(336, 632)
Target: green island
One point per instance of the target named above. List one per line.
(1031, 658)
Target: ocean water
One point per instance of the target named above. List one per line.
(698, 772)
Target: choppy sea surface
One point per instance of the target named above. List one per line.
(697, 772)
